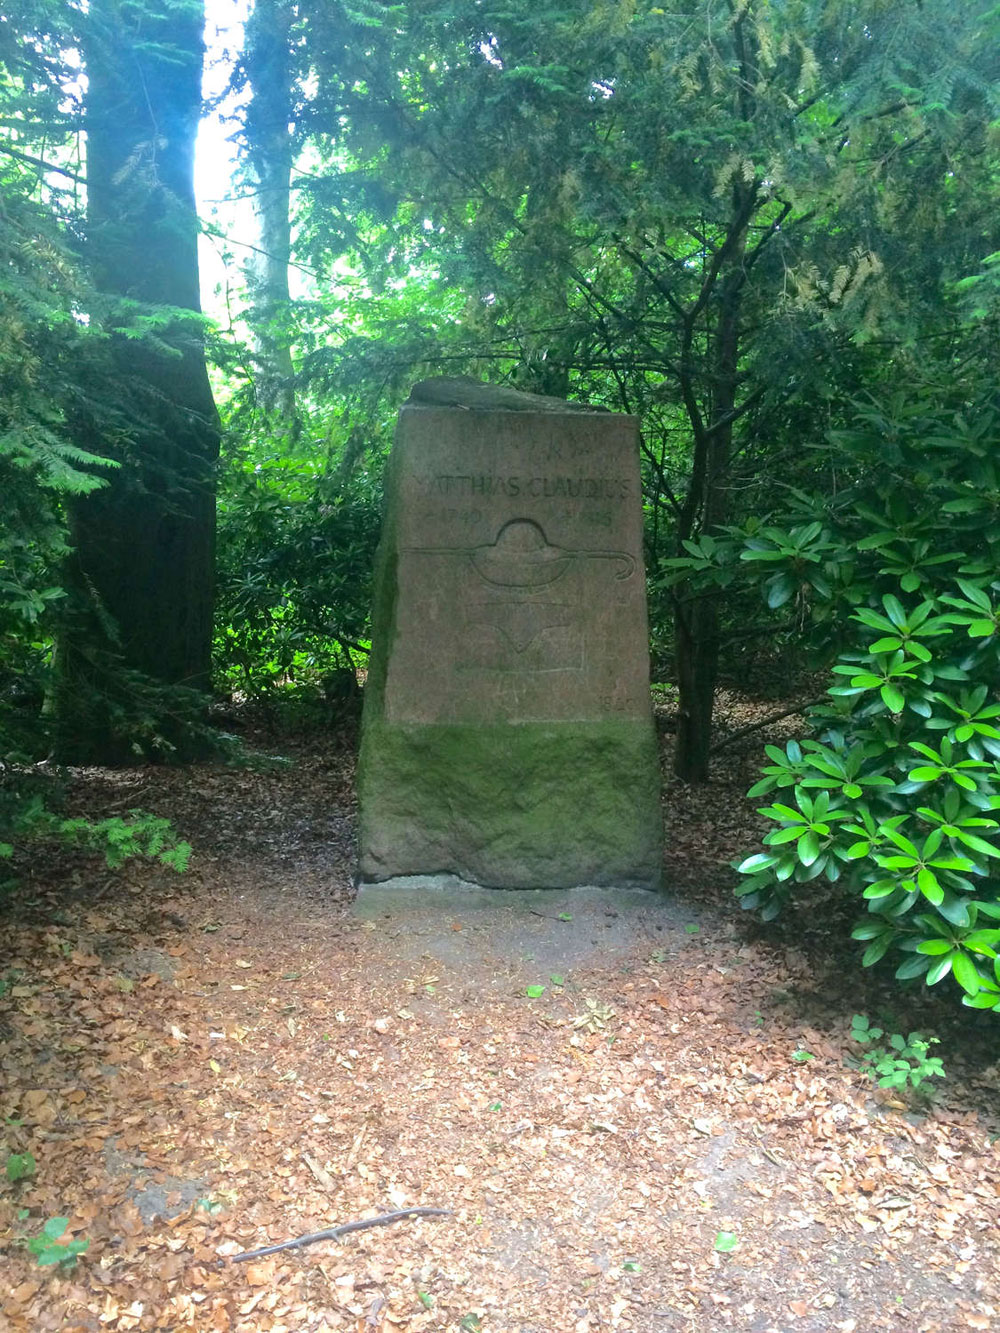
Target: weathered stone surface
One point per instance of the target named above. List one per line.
(464, 391)
(507, 734)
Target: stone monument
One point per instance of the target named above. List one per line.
(508, 736)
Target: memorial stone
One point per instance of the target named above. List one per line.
(507, 736)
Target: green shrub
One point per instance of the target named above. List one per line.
(893, 799)
(118, 838)
(296, 549)
(903, 1063)
(893, 795)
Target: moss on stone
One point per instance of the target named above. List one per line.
(512, 805)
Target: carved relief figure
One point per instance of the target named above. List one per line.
(522, 557)
(512, 621)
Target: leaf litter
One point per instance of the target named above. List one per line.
(276, 1066)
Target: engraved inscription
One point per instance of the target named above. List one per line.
(594, 516)
(486, 485)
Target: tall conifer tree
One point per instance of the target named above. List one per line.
(144, 544)
(269, 154)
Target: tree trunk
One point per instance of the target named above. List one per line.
(269, 157)
(696, 649)
(142, 563)
(696, 622)
(706, 507)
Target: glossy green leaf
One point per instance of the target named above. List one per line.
(940, 969)
(982, 941)
(753, 864)
(808, 848)
(876, 950)
(965, 972)
(893, 698)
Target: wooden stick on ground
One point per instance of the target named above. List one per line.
(332, 1233)
(759, 726)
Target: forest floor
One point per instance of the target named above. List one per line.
(669, 1136)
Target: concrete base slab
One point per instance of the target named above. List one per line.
(448, 893)
(507, 934)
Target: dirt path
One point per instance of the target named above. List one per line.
(213, 1064)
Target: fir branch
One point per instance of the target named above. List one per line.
(33, 161)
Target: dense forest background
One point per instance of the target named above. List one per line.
(767, 229)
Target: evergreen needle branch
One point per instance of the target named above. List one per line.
(214, 232)
(753, 255)
(661, 477)
(33, 161)
(734, 235)
(665, 290)
(902, 104)
(728, 418)
(333, 1233)
(596, 299)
